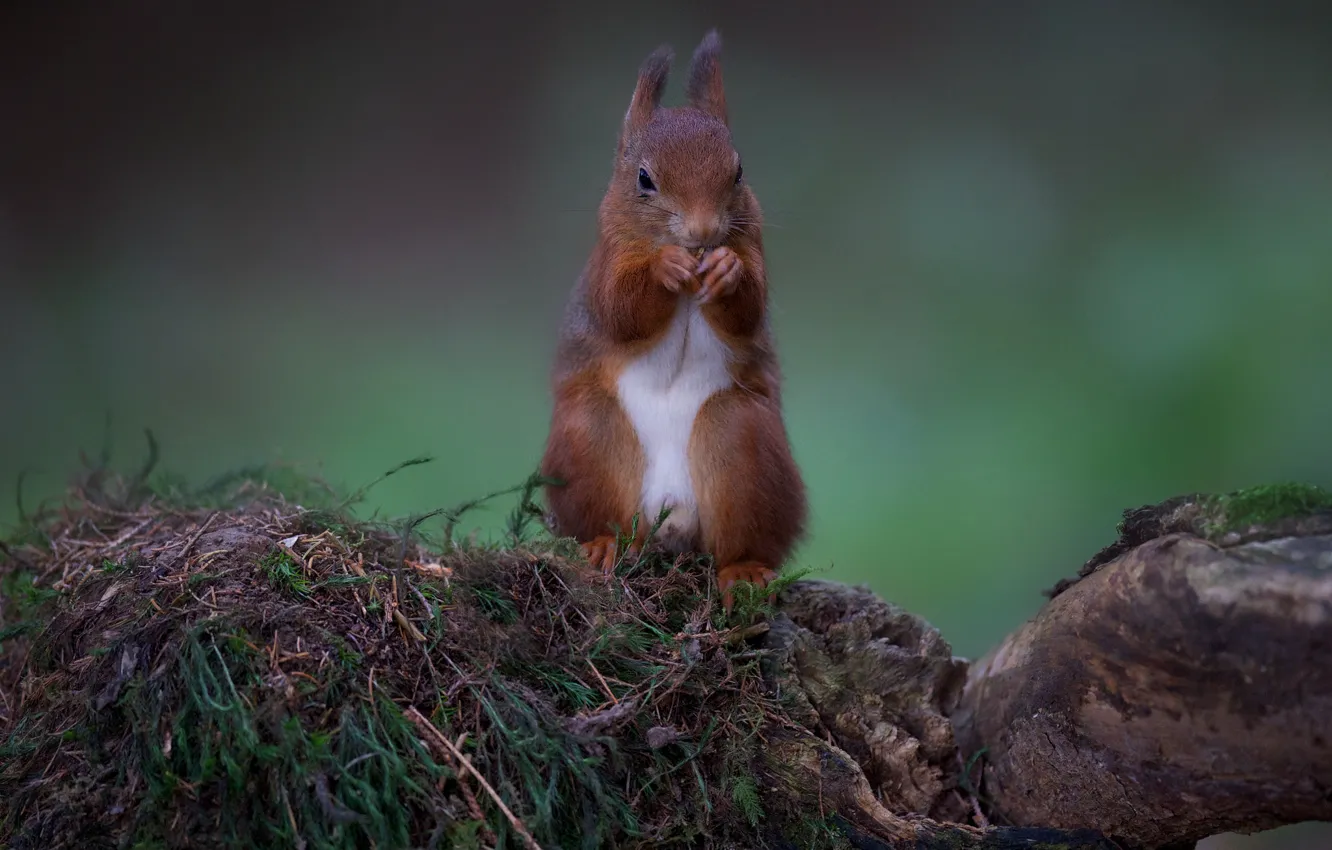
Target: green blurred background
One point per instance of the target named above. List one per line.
(1031, 263)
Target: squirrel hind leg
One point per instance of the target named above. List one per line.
(594, 453)
(751, 498)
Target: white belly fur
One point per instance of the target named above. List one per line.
(662, 392)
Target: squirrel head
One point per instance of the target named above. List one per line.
(678, 178)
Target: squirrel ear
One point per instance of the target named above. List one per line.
(651, 84)
(705, 90)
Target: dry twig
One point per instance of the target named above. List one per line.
(438, 737)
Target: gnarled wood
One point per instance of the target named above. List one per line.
(1180, 690)
(871, 686)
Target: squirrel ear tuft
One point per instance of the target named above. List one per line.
(651, 85)
(704, 90)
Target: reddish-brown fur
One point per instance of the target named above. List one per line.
(751, 499)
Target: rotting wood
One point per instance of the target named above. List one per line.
(1179, 690)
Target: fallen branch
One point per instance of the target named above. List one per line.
(1179, 690)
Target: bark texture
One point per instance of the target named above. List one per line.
(1181, 687)
(880, 682)
(871, 686)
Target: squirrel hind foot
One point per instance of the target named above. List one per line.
(603, 553)
(754, 572)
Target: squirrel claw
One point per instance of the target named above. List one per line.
(750, 571)
(603, 553)
(675, 268)
(719, 272)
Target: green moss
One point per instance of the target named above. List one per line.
(745, 795)
(570, 692)
(111, 566)
(819, 834)
(565, 778)
(18, 630)
(284, 574)
(230, 742)
(754, 604)
(1263, 505)
(28, 599)
(494, 605)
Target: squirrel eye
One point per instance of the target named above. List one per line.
(645, 182)
(739, 172)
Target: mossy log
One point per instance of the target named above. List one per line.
(1181, 687)
(254, 669)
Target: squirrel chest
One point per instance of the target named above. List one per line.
(661, 392)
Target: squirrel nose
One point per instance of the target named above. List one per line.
(703, 229)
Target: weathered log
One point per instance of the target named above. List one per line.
(1182, 687)
(870, 686)
(825, 782)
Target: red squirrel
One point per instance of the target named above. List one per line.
(667, 392)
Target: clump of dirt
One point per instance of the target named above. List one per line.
(235, 667)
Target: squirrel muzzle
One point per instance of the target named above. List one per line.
(701, 230)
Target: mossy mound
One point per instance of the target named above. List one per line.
(231, 667)
(247, 664)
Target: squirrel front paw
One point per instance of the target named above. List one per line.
(719, 273)
(674, 267)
